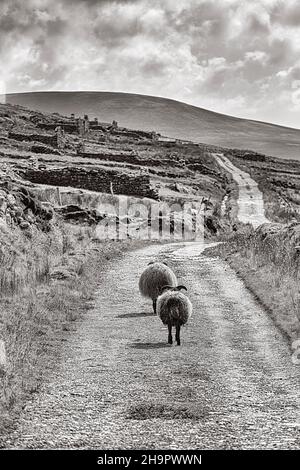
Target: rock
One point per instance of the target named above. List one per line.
(3, 202)
(212, 223)
(18, 211)
(24, 225)
(11, 200)
(79, 214)
(29, 219)
(60, 273)
(3, 224)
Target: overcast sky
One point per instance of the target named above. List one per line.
(232, 56)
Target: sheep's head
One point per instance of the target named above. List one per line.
(177, 288)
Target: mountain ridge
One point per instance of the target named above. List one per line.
(169, 117)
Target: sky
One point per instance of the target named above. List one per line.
(238, 57)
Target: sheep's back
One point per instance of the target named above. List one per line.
(174, 307)
(154, 278)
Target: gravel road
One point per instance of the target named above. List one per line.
(231, 385)
(250, 201)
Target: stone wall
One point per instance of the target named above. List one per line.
(247, 155)
(133, 159)
(42, 148)
(73, 126)
(69, 127)
(46, 139)
(203, 169)
(135, 134)
(99, 180)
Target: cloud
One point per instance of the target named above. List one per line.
(231, 56)
(286, 13)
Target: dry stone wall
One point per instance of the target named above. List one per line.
(98, 179)
(46, 139)
(133, 159)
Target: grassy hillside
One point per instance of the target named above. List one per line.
(170, 118)
(268, 262)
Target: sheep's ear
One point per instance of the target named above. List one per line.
(167, 287)
(181, 287)
(151, 262)
(165, 263)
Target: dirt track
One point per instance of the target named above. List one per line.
(250, 201)
(231, 385)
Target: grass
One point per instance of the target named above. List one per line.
(269, 266)
(37, 311)
(278, 208)
(21, 263)
(279, 183)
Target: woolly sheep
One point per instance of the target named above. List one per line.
(174, 309)
(154, 277)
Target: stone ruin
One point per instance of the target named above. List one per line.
(79, 125)
(56, 139)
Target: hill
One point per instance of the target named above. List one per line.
(169, 117)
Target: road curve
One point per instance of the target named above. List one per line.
(231, 385)
(250, 201)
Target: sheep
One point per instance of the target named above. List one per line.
(154, 277)
(174, 308)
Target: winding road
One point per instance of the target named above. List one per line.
(119, 385)
(250, 201)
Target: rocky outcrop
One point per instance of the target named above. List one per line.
(79, 214)
(20, 207)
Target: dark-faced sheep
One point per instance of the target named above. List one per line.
(174, 308)
(155, 276)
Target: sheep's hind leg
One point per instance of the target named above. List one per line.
(178, 334)
(154, 306)
(170, 339)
